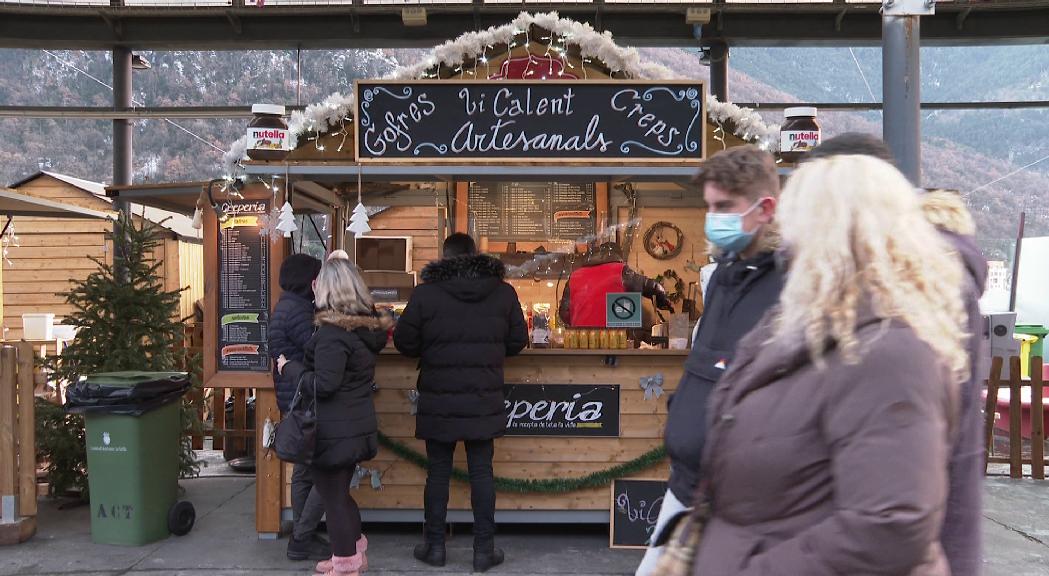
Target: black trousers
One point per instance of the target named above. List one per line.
(482, 490)
(344, 517)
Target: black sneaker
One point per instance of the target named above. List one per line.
(432, 554)
(312, 548)
(483, 560)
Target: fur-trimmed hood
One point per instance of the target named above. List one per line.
(466, 267)
(466, 278)
(350, 322)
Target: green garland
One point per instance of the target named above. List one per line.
(549, 485)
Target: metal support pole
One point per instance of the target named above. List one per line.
(122, 169)
(901, 91)
(719, 71)
(122, 172)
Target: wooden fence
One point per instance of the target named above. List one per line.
(235, 435)
(1016, 458)
(17, 444)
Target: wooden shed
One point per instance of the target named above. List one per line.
(51, 253)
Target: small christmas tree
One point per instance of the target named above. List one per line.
(359, 221)
(125, 320)
(286, 220)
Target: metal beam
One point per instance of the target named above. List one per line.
(719, 71)
(901, 91)
(161, 112)
(371, 26)
(122, 169)
(871, 106)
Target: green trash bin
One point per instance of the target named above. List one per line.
(133, 435)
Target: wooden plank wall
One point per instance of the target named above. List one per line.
(191, 275)
(54, 252)
(641, 429)
(419, 222)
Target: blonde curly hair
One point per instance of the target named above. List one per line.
(857, 236)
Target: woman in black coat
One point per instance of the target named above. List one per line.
(339, 368)
(463, 323)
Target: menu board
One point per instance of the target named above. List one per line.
(513, 211)
(244, 297)
(551, 120)
(636, 504)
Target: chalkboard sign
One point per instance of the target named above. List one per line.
(553, 121)
(244, 296)
(515, 211)
(635, 508)
(562, 410)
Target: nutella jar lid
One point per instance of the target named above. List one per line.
(273, 109)
(800, 112)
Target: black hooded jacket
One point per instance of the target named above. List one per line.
(462, 323)
(739, 294)
(339, 366)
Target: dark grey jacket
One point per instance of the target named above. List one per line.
(739, 293)
(832, 471)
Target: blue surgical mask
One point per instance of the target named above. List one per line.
(726, 230)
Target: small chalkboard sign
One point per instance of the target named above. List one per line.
(635, 508)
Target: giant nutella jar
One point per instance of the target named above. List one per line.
(267, 133)
(799, 134)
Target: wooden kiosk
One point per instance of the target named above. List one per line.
(525, 139)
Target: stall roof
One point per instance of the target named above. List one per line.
(174, 221)
(14, 204)
(178, 197)
(446, 172)
(181, 197)
(470, 172)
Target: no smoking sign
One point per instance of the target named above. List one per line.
(623, 310)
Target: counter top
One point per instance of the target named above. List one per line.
(388, 351)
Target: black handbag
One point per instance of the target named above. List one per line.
(295, 437)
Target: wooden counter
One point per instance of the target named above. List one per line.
(641, 424)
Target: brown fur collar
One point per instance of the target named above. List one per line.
(349, 322)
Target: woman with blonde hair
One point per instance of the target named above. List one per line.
(339, 371)
(830, 433)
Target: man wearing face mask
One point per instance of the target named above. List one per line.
(740, 187)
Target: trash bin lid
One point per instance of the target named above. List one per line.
(125, 392)
(1036, 329)
(133, 378)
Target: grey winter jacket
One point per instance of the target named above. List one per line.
(836, 471)
(961, 536)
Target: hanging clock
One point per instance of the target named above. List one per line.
(664, 241)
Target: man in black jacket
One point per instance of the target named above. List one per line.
(462, 323)
(740, 187)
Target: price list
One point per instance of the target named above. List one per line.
(533, 211)
(244, 299)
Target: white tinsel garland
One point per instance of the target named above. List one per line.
(335, 110)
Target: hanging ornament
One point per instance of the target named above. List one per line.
(286, 220)
(359, 219)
